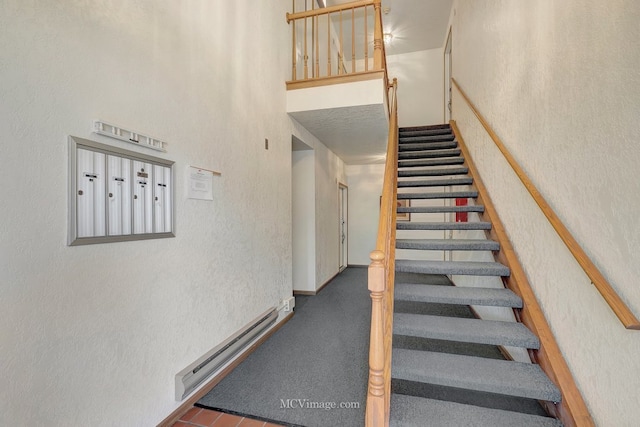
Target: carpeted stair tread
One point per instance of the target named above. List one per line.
(464, 330)
(411, 411)
(496, 297)
(474, 373)
(435, 182)
(468, 268)
(425, 130)
(448, 244)
(439, 195)
(433, 172)
(428, 154)
(446, 161)
(422, 146)
(441, 209)
(405, 139)
(480, 225)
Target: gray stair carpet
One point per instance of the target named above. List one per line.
(431, 162)
(412, 146)
(479, 225)
(474, 373)
(496, 297)
(425, 154)
(433, 172)
(470, 268)
(410, 411)
(439, 195)
(448, 244)
(424, 132)
(435, 182)
(441, 209)
(403, 139)
(465, 330)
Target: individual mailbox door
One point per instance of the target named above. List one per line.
(90, 194)
(142, 198)
(162, 199)
(118, 195)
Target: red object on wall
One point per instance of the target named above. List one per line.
(461, 216)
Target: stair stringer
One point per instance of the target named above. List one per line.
(571, 410)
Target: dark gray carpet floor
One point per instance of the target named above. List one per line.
(320, 356)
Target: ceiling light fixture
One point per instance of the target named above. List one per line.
(387, 37)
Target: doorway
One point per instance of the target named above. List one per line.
(448, 73)
(343, 206)
(303, 217)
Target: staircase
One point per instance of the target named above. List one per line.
(476, 386)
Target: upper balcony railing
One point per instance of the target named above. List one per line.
(336, 43)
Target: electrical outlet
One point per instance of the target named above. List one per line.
(289, 303)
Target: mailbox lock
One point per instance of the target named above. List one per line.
(110, 194)
(135, 197)
(80, 192)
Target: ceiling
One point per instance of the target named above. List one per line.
(415, 24)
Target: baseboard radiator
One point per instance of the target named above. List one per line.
(193, 375)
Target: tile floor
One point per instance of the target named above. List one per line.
(197, 417)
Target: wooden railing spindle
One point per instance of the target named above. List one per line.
(353, 40)
(294, 53)
(329, 44)
(366, 40)
(377, 37)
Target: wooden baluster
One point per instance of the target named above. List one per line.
(329, 44)
(375, 412)
(366, 40)
(341, 48)
(294, 73)
(377, 37)
(353, 40)
(306, 57)
(317, 49)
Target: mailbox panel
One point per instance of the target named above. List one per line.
(90, 194)
(118, 195)
(162, 199)
(142, 197)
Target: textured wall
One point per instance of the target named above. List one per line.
(420, 86)
(365, 189)
(94, 335)
(559, 83)
(329, 172)
(303, 212)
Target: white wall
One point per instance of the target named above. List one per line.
(329, 170)
(365, 189)
(420, 87)
(95, 334)
(304, 220)
(559, 83)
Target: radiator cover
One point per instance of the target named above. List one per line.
(193, 375)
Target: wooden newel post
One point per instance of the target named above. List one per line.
(377, 36)
(375, 414)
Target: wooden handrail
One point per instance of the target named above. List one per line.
(381, 284)
(327, 10)
(572, 410)
(618, 306)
